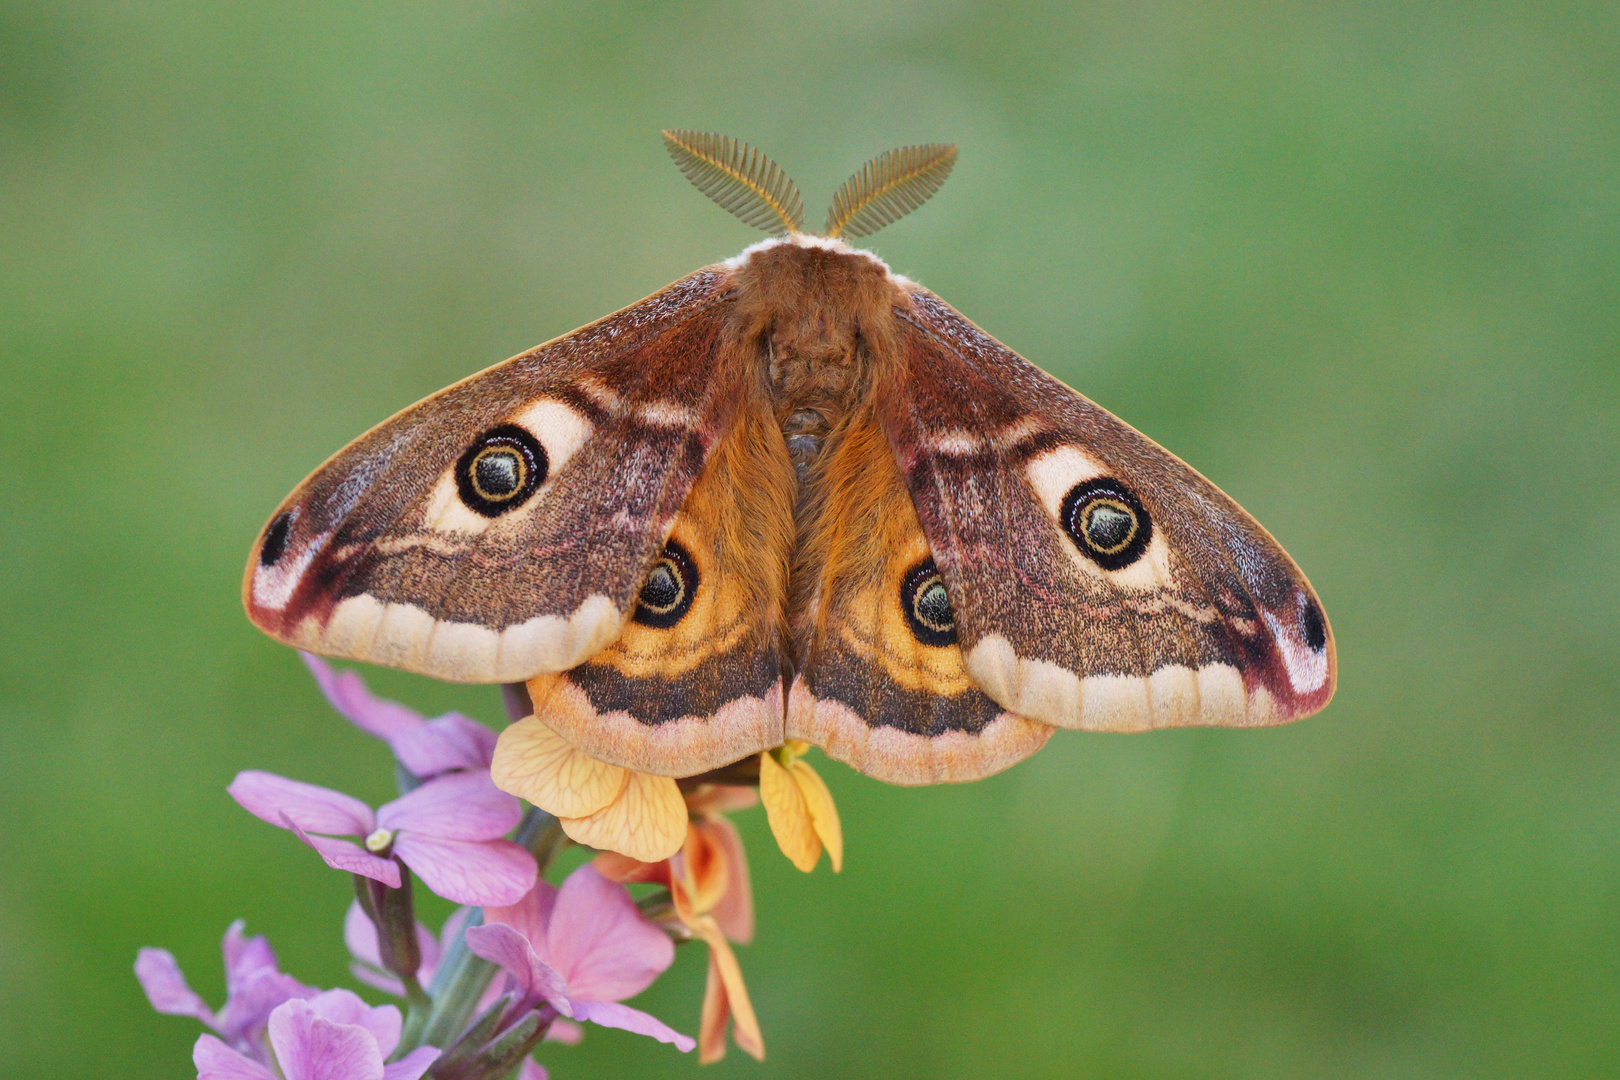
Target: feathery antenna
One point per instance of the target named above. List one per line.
(889, 187)
(741, 179)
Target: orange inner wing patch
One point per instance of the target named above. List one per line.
(882, 686)
(695, 680)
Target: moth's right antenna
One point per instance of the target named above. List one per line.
(889, 187)
(739, 178)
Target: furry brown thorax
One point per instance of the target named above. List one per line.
(818, 315)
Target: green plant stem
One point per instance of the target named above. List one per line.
(410, 1034)
(542, 834)
(459, 982)
(441, 1014)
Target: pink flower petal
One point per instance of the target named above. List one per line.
(216, 1061)
(451, 741)
(456, 806)
(360, 936)
(515, 696)
(342, 855)
(166, 988)
(309, 1046)
(565, 1031)
(500, 944)
(345, 1007)
(492, 872)
(348, 693)
(244, 956)
(314, 809)
(532, 1069)
(412, 1065)
(600, 942)
(612, 1014)
(252, 1000)
(530, 916)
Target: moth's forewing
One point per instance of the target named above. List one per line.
(503, 527)
(1098, 582)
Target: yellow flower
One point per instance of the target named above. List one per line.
(600, 805)
(708, 882)
(649, 832)
(799, 808)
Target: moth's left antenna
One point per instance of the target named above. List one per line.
(739, 178)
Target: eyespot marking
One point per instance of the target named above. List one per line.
(1107, 522)
(275, 539)
(1312, 625)
(927, 605)
(499, 471)
(671, 586)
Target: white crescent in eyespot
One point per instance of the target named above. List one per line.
(1053, 475)
(560, 431)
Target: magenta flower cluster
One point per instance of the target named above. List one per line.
(534, 961)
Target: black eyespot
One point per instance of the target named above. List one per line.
(1107, 523)
(1313, 626)
(500, 471)
(927, 605)
(671, 586)
(275, 539)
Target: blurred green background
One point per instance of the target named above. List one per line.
(1356, 262)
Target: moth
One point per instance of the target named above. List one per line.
(795, 495)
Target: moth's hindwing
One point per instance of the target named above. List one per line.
(504, 526)
(882, 685)
(1098, 582)
(695, 680)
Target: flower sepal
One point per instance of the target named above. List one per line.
(393, 913)
(500, 1057)
(486, 1051)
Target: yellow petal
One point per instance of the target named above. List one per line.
(789, 817)
(646, 822)
(703, 868)
(745, 1030)
(735, 911)
(681, 895)
(536, 763)
(716, 1014)
(823, 814)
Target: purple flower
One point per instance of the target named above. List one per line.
(361, 937)
(583, 948)
(253, 987)
(449, 831)
(425, 747)
(333, 1036)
